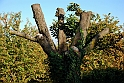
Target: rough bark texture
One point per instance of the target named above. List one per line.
(83, 26)
(42, 27)
(42, 40)
(26, 36)
(39, 19)
(61, 35)
(95, 39)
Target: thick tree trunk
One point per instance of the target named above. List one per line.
(46, 41)
(83, 26)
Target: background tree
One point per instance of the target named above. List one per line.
(20, 59)
(109, 49)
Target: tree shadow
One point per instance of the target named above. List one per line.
(109, 75)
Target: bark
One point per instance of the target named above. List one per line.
(61, 35)
(39, 38)
(83, 26)
(95, 39)
(44, 38)
(42, 27)
(26, 36)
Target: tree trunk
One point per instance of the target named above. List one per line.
(62, 47)
(83, 26)
(45, 41)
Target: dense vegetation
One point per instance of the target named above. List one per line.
(22, 60)
(108, 51)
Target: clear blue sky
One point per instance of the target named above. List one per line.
(116, 7)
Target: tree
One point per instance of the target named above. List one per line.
(65, 60)
(20, 59)
(108, 51)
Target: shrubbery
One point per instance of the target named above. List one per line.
(20, 60)
(109, 75)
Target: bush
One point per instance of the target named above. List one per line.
(109, 75)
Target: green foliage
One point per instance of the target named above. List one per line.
(97, 24)
(20, 59)
(57, 68)
(69, 27)
(71, 22)
(65, 68)
(107, 52)
(73, 7)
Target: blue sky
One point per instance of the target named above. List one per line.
(49, 7)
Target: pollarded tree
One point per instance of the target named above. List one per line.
(65, 60)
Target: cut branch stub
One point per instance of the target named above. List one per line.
(59, 11)
(20, 34)
(83, 26)
(92, 44)
(39, 19)
(61, 35)
(42, 27)
(84, 22)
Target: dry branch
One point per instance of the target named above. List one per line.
(39, 38)
(20, 34)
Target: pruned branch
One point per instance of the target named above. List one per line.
(83, 26)
(61, 35)
(95, 39)
(39, 38)
(20, 34)
(42, 27)
(39, 19)
(84, 22)
(59, 11)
